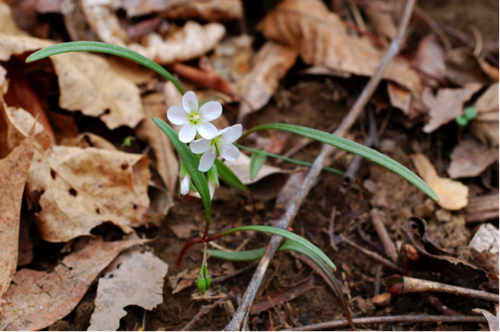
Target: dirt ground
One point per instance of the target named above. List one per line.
(317, 102)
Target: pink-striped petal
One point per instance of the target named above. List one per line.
(190, 102)
(229, 152)
(200, 146)
(177, 115)
(211, 111)
(187, 133)
(207, 130)
(207, 160)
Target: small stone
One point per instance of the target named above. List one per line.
(387, 145)
(370, 185)
(425, 210)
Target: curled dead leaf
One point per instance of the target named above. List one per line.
(269, 66)
(322, 39)
(136, 278)
(13, 174)
(36, 299)
(452, 195)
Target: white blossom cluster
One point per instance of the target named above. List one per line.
(203, 138)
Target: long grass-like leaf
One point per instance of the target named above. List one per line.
(352, 147)
(287, 235)
(92, 46)
(256, 162)
(227, 175)
(198, 178)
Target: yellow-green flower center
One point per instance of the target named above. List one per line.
(194, 118)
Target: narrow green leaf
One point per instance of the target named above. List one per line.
(227, 175)
(256, 162)
(288, 235)
(198, 178)
(290, 160)
(92, 46)
(352, 147)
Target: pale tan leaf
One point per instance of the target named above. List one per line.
(36, 299)
(430, 57)
(484, 248)
(462, 67)
(7, 23)
(83, 188)
(322, 39)
(447, 104)
(87, 83)
(269, 66)
(136, 279)
(488, 101)
(166, 160)
(470, 158)
(381, 19)
(13, 174)
(452, 195)
(399, 97)
(492, 319)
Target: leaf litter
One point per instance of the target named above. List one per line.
(431, 81)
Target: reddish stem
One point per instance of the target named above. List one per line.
(188, 245)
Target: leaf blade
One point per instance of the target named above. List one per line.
(352, 147)
(227, 175)
(256, 162)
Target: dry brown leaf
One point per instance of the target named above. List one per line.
(166, 160)
(484, 248)
(189, 42)
(485, 126)
(212, 10)
(268, 182)
(490, 70)
(430, 58)
(13, 174)
(399, 97)
(36, 299)
(452, 195)
(183, 230)
(136, 279)
(470, 158)
(446, 105)
(83, 188)
(492, 319)
(188, 279)
(86, 82)
(380, 18)
(322, 39)
(7, 23)
(462, 67)
(269, 66)
(488, 101)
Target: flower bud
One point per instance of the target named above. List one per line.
(204, 280)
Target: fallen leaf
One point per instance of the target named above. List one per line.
(490, 70)
(166, 160)
(470, 158)
(13, 174)
(446, 105)
(212, 10)
(430, 58)
(7, 23)
(381, 19)
(86, 82)
(188, 42)
(188, 279)
(484, 247)
(322, 39)
(183, 230)
(36, 299)
(136, 279)
(482, 208)
(462, 67)
(232, 57)
(400, 97)
(83, 188)
(488, 101)
(452, 194)
(492, 319)
(271, 64)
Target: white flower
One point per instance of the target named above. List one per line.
(193, 119)
(221, 144)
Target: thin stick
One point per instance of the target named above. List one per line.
(394, 319)
(375, 256)
(204, 309)
(389, 247)
(413, 285)
(241, 315)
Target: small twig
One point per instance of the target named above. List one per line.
(436, 303)
(368, 241)
(393, 319)
(390, 248)
(331, 229)
(369, 141)
(375, 256)
(235, 273)
(413, 285)
(241, 316)
(204, 309)
(378, 280)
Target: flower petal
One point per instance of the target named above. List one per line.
(211, 110)
(207, 160)
(232, 134)
(187, 133)
(200, 146)
(207, 130)
(229, 152)
(190, 102)
(185, 185)
(177, 115)
(211, 188)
